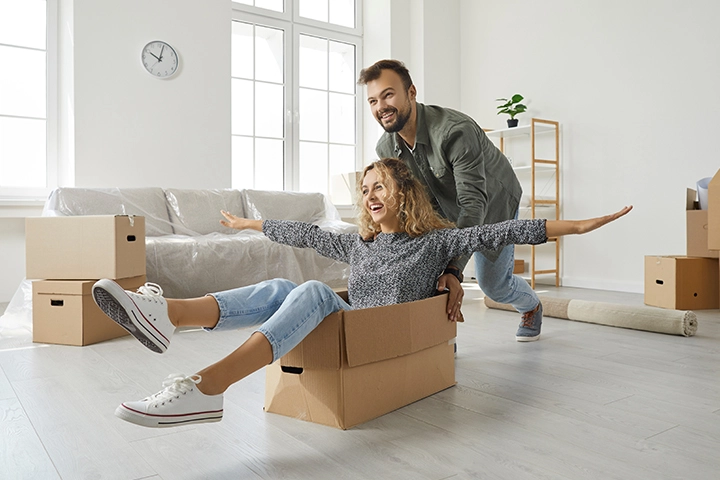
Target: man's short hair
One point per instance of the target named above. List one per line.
(374, 71)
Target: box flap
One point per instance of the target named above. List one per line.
(714, 213)
(375, 334)
(321, 348)
(691, 202)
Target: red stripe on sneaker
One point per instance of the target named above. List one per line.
(170, 416)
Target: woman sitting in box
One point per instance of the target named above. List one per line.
(402, 248)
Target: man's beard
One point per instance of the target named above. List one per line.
(401, 118)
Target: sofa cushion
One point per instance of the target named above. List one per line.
(196, 212)
(276, 205)
(148, 202)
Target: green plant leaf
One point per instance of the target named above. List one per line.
(517, 98)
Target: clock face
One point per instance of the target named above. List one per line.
(159, 59)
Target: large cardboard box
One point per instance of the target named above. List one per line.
(682, 283)
(697, 228)
(714, 212)
(85, 247)
(65, 313)
(360, 364)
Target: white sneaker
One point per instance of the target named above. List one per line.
(179, 403)
(144, 314)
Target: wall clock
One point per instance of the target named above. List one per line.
(159, 59)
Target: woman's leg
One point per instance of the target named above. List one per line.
(199, 398)
(301, 312)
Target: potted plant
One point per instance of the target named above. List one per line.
(512, 107)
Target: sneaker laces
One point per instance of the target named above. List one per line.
(175, 385)
(528, 318)
(151, 290)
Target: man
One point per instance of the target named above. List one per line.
(470, 180)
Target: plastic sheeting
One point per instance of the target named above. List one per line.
(189, 253)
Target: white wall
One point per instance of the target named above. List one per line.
(634, 85)
(133, 130)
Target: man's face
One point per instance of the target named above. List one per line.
(390, 103)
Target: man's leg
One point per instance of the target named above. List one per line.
(498, 282)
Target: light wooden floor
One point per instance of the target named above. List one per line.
(586, 401)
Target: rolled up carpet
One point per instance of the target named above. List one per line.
(649, 319)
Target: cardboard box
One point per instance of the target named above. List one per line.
(697, 228)
(519, 266)
(360, 364)
(65, 313)
(682, 283)
(84, 247)
(714, 213)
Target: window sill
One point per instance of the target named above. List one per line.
(21, 207)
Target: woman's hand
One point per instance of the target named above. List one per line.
(558, 228)
(450, 282)
(239, 223)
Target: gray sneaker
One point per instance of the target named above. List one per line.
(529, 329)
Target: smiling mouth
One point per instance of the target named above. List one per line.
(375, 208)
(384, 116)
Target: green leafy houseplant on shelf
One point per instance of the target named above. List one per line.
(512, 107)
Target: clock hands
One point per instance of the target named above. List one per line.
(158, 58)
(161, 53)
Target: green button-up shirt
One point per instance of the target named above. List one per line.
(469, 180)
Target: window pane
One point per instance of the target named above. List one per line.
(22, 23)
(269, 111)
(342, 67)
(269, 54)
(342, 12)
(22, 152)
(22, 82)
(313, 167)
(342, 118)
(242, 107)
(314, 9)
(242, 163)
(313, 62)
(313, 115)
(242, 50)
(275, 5)
(269, 164)
(245, 2)
(342, 161)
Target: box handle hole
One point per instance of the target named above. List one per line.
(293, 370)
(57, 303)
(131, 238)
(694, 294)
(659, 282)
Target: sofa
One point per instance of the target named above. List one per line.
(189, 253)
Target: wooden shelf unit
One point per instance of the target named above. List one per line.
(538, 126)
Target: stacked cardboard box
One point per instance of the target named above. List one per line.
(690, 282)
(68, 255)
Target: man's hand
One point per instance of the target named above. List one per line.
(451, 283)
(239, 223)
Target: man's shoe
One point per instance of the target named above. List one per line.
(529, 329)
(179, 403)
(144, 314)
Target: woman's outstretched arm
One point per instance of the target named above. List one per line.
(239, 223)
(557, 228)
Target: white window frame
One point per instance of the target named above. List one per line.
(28, 196)
(293, 26)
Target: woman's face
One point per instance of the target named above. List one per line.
(382, 207)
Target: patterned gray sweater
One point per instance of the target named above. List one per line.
(396, 268)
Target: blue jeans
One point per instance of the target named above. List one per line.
(498, 282)
(286, 312)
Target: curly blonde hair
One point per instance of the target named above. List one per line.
(417, 215)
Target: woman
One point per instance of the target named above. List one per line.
(402, 248)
